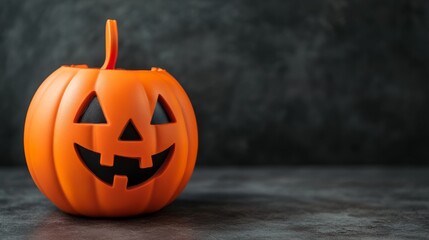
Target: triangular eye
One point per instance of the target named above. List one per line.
(92, 112)
(130, 133)
(162, 113)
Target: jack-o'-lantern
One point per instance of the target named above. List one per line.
(110, 142)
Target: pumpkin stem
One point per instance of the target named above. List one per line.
(111, 45)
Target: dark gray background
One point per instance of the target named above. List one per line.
(272, 82)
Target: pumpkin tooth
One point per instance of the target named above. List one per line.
(120, 181)
(107, 160)
(146, 163)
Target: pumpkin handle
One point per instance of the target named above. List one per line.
(111, 45)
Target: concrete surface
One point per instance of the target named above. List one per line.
(244, 203)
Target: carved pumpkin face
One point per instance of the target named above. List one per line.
(127, 143)
(104, 142)
(138, 167)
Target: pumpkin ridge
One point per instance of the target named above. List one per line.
(170, 89)
(94, 183)
(184, 178)
(40, 96)
(149, 199)
(53, 142)
(71, 209)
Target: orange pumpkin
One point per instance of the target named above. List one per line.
(110, 142)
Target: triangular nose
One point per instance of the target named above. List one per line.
(130, 133)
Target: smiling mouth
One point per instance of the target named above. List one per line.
(124, 166)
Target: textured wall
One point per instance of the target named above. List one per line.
(272, 82)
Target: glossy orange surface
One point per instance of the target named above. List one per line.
(51, 131)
